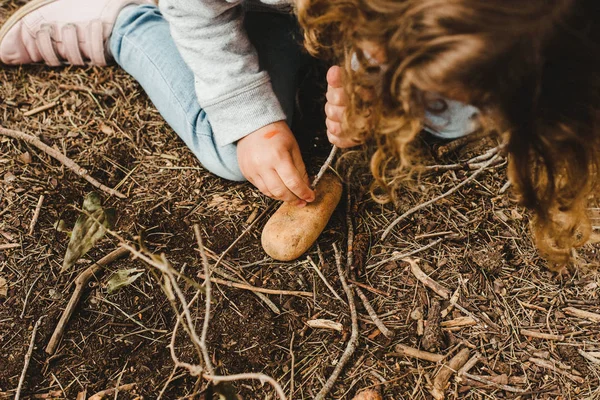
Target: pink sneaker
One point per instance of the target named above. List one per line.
(60, 32)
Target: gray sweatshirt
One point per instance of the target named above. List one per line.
(236, 95)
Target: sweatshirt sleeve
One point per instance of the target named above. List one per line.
(235, 94)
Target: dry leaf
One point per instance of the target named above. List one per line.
(89, 229)
(122, 278)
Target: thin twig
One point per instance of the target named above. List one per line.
(27, 296)
(36, 214)
(506, 388)
(67, 162)
(378, 322)
(325, 166)
(208, 300)
(351, 346)
(435, 199)
(443, 292)
(102, 394)
(551, 366)
(255, 376)
(318, 271)
(404, 255)
(80, 284)
(28, 357)
(257, 289)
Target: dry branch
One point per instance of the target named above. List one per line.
(28, 357)
(257, 289)
(441, 379)
(541, 335)
(351, 346)
(80, 284)
(427, 281)
(550, 365)
(325, 166)
(378, 322)
(67, 162)
(491, 383)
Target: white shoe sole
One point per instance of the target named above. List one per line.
(20, 14)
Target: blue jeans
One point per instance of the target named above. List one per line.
(142, 45)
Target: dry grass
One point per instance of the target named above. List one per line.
(113, 130)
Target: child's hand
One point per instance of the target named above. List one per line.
(270, 159)
(335, 108)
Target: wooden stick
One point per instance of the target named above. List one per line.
(67, 162)
(459, 322)
(435, 199)
(80, 284)
(407, 351)
(488, 382)
(378, 322)
(102, 394)
(443, 376)
(469, 364)
(549, 365)
(325, 166)
(40, 109)
(8, 246)
(36, 214)
(427, 281)
(582, 314)
(28, 357)
(351, 346)
(461, 141)
(257, 289)
(540, 335)
(318, 271)
(325, 324)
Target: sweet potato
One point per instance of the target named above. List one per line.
(292, 230)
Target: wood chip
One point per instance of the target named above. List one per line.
(443, 376)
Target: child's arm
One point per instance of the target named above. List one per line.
(236, 95)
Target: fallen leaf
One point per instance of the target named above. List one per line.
(88, 230)
(3, 287)
(122, 278)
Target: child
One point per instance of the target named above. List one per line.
(222, 75)
(532, 67)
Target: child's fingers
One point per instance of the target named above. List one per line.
(294, 180)
(333, 127)
(341, 142)
(335, 77)
(258, 182)
(336, 96)
(276, 186)
(334, 113)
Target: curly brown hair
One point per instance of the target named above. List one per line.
(532, 67)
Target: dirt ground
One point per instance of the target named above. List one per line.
(481, 247)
